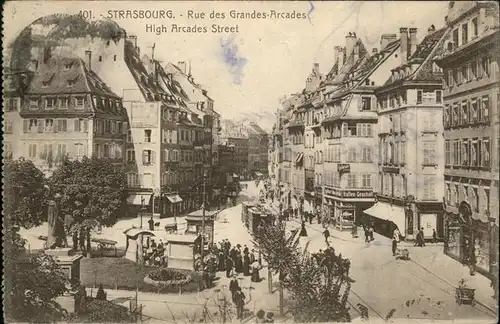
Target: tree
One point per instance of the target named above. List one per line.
(280, 252)
(93, 193)
(25, 194)
(319, 287)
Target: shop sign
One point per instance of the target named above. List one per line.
(391, 170)
(348, 193)
(343, 168)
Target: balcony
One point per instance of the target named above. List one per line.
(296, 124)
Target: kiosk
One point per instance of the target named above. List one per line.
(181, 250)
(134, 245)
(194, 224)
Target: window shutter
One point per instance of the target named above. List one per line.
(358, 129)
(374, 104)
(360, 104)
(77, 125)
(25, 125)
(55, 125)
(153, 157)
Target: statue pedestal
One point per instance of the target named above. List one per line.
(69, 263)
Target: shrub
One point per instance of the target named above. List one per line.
(102, 311)
(166, 277)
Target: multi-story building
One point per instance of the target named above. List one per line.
(234, 133)
(410, 170)
(15, 86)
(471, 133)
(258, 143)
(69, 112)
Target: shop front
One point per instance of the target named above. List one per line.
(345, 207)
(171, 205)
(468, 237)
(139, 204)
(386, 217)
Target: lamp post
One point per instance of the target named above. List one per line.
(202, 252)
(142, 208)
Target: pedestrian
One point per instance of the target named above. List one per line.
(233, 286)
(252, 256)
(422, 240)
(245, 250)
(240, 302)
(101, 295)
(434, 236)
(394, 246)
(370, 232)
(222, 261)
(151, 223)
(238, 263)
(326, 233)
(229, 266)
(396, 235)
(246, 265)
(255, 272)
(269, 317)
(303, 231)
(354, 231)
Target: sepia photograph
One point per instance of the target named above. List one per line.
(250, 161)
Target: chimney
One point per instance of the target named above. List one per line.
(431, 29)
(182, 66)
(316, 68)
(413, 40)
(88, 59)
(133, 39)
(374, 51)
(350, 41)
(356, 52)
(386, 39)
(34, 64)
(403, 31)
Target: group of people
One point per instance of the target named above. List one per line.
(154, 253)
(368, 229)
(333, 262)
(237, 260)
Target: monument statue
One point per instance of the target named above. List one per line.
(56, 236)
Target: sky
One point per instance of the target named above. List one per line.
(247, 72)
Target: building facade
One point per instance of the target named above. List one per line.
(410, 168)
(69, 112)
(258, 144)
(471, 133)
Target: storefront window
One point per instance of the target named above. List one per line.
(454, 241)
(482, 250)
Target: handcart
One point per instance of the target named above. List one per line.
(464, 294)
(402, 254)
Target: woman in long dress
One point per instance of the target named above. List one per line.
(255, 272)
(246, 264)
(303, 231)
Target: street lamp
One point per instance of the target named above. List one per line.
(203, 221)
(142, 208)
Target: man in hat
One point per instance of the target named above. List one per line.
(239, 300)
(233, 286)
(229, 266)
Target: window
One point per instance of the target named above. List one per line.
(464, 114)
(367, 154)
(130, 156)
(114, 58)
(465, 73)
(351, 154)
(79, 102)
(485, 62)
(71, 83)
(455, 37)
(133, 180)
(100, 58)
(447, 153)
(49, 125)
(474, 27)
(63, 103)
(474, 153)
(429, 187)
(366, 180)
(351, 180)
(458, 76)
(419, 96)
(50, 103)
(34, 103)
(8, 128)
(32, 151)
(366, 103)
(61, 152)
(465, 33)
(474, 115)
(147, 135)
(147, 157)
(450, 78)
(439, 96)
(62, 125)
(129, 136)
(446, 116)
(429, 153)
(485, 153)
(485, 115)
(465, 153)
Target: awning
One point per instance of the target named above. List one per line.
(258, 174)
(135, 199)
(395, 214)
(174, 198)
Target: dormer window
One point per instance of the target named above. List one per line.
(79, 101)
(114, 58)
(34, 103)
(67, 65)
(50, 103)
(71, 83)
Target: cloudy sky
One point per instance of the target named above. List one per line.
(246, 73)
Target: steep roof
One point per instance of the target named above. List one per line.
(350, 62)
(421, 60)
(65, 75)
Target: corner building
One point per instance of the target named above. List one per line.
(471, 132)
